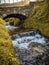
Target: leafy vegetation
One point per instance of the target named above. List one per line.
(14, 20)
(39, 18)
(7, 54)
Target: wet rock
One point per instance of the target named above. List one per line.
(37, 49)
(37, 54)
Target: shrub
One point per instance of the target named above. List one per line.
(13, 20)
(7, 54)
(39, 19)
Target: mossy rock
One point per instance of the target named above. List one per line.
(7, 54)
(13, 20)
(39, 19)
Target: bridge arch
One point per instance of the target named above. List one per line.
(16, 15)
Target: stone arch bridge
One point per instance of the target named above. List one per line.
(12, 10)
(20, 9)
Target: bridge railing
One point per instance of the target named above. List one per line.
(22, 3)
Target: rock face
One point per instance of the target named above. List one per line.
(40, 53)
(7, 54)
(39, 19)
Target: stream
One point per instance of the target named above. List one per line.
(23, 40)
(30, 47)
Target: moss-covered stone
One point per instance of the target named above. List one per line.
(7, 54)
(39, 18)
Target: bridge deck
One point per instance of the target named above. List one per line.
(18, 4)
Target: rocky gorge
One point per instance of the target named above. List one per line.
(26, 42)
(31, 47)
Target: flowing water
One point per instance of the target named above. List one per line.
(21, 43)
(23, 40)
(10, 26)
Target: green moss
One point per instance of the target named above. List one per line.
(39, 18)
(12, 19)
(7, 54)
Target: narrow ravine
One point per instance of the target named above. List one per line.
(29, 47)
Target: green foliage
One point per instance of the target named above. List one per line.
(7, 54)
(39, 18)
(37, 0)
(12, 19)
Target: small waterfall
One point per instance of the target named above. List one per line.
(23, 40)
